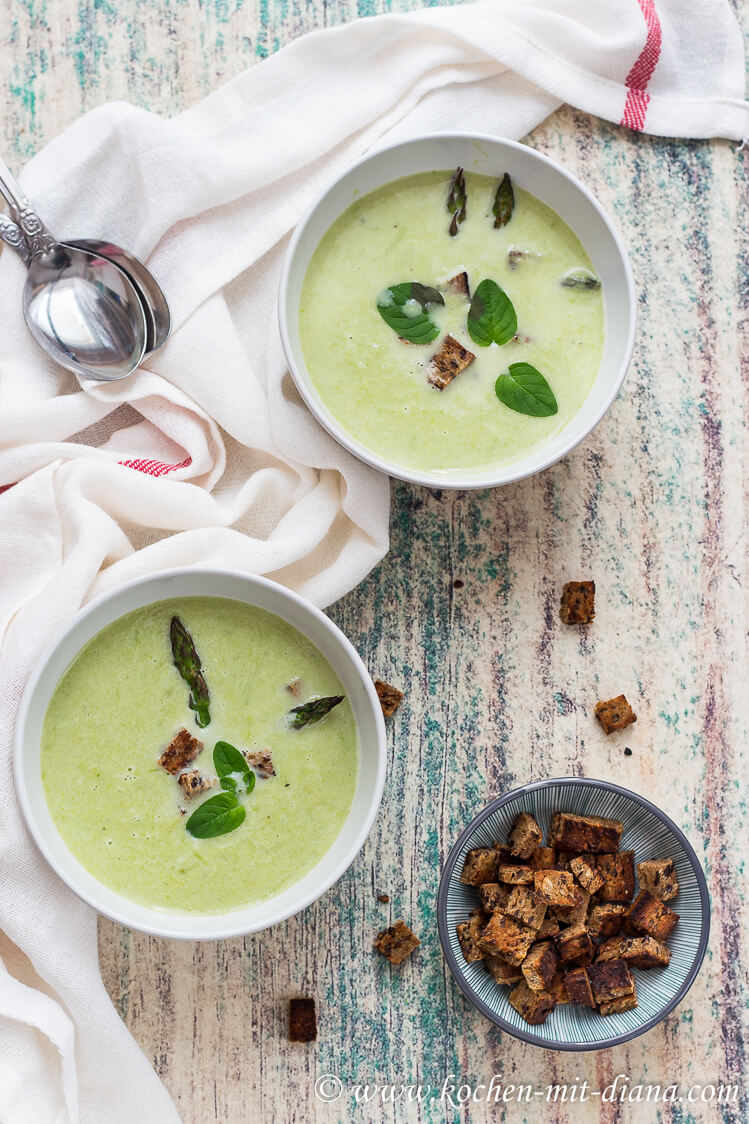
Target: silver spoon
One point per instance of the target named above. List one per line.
(155, 307)
(80, 307)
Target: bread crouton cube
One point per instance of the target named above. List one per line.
(181, 751)
(459, 284)
(390, 697)
(618, 872)
(540, 965)
(480, 866)
(558, 989)
(469, 935)
(502, 972)
(575, 916)
(533, 1006)
(615, 714)
(610, 980)
(606, 920)
(575, 947)
(261, 761)
(555, 887)
(494, 896)
(505, 855)
(522, 906)
(659, 878)
(584, 870)
(507, 939)
(639, 952)
(514, 875)
(193, 783)
(564, 859)
(448, 362)
(525, 836)
(549, 927)
(651, 916)
(578, 987)
(616, 1006)
(302, 1020)
(578, 602)
(396, 942)
(589, 834)
(543, 858)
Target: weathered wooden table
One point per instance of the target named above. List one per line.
(462, 614)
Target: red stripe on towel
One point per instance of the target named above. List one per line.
(155, 468)
(636, 105)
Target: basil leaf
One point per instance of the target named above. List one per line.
(228, 784)
(249, 782)
(491, 317)
(216, 816)
(403, 308)
(310, 712)
(227, 759)
(526, 391)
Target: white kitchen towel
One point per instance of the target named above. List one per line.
(207, 455)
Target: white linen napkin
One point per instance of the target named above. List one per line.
(207, 454)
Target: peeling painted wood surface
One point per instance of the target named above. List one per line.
(462, 615)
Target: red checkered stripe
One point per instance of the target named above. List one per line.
(155, 468)
(636, 104)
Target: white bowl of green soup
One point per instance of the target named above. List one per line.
(200, 754)
(457, 311)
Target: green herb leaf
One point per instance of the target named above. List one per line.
(580, 279)
(526, 391)
(504, 201)
(310, 712)
(491, 317)
(456, 201)
(227, 759)
(218, 815)
(249, 782)
(187, 662)
(403, 307)
(228, 784)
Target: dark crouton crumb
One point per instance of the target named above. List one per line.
(396, 942)
(650, 916)
(610, 980)
(659, 878)
(390, 697)
(459, 284)
(578, 988)
(627, 751)
(533, 1006)
(294, 687)
(480, 866)
(458, 584)
(615, 714)
(618, 871)
(578, 602)
(182, 749)
(193, 783)
(302, 1020)
(584, 833)
(383, 897)
(575, 948)
(449, 361)
(261, 761)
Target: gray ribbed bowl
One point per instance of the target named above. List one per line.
(650, 834)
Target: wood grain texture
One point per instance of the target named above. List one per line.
(653, 506)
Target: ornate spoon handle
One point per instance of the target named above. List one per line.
(12, 236)
(39, 239)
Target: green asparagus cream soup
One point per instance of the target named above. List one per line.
(425, 374)
(211, 830)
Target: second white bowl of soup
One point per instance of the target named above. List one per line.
(457, 311)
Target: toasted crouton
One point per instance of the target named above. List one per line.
(576, 915)
(578, 602)
(651, 916)
(525, 836)
(639, 952)
(193, 783)
(302, 1020)
(494, 896)
(578, 987)
(181, 751)
(390, 697)
(558, 989)
(469, 935)
(659, 878)
(533, 1006)
(449, 361)
(606, 920)
(514, 874)
(555, 887)
(618, 872)
(584, 833)
(616, 1006)
(609, 980)
(540, 965)
(459, 284)
(549, 927)
(575, 948)
(480, 866)
(261, 761)
(543, 858)
(522, 906)
(584, 870)
(507, 939)
(615, 714)
(396, 942)
(502, 972)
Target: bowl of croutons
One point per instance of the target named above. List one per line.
(573, 914)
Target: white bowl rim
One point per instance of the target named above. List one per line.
(455, 968)
(425, 479)
(223, 928)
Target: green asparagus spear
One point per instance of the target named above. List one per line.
(187, 662)
(310, 712)
(504, 201)
(456, 201)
